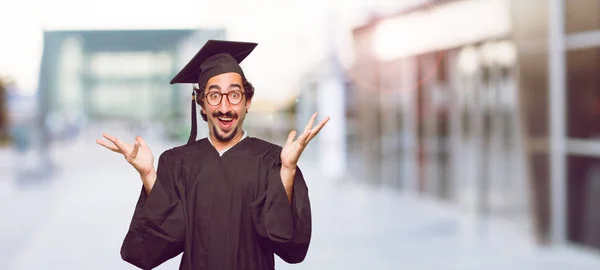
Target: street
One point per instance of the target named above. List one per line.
(77, 216)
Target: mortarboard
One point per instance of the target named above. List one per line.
(214, 58)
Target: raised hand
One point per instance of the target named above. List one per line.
(293, 148)
(138, 154)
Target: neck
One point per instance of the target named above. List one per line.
(220, 145)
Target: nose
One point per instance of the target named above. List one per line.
(224, 106)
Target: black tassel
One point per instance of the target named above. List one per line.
(194, 130)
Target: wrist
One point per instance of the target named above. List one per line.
(288, 172)
(148, 179)
(288, 167)
(287, 176)
(148, 175)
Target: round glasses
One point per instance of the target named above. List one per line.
(214, 98)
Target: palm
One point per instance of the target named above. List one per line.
(138, 155)
(144, 161)
(290, 154)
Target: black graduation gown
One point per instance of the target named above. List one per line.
(223, 212)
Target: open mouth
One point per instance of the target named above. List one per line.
(225, 122)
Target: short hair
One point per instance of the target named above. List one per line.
(248, 91)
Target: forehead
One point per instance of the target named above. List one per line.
(226, 78)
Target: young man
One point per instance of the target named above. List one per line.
(229, 201)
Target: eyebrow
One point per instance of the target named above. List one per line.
(217, 87)
(235, 85)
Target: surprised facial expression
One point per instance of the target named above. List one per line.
(225, 106)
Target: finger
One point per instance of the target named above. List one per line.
(107, 145)
(302, 138)
(311, 122)
(318, 128)
(134, 152)
(141, 141)
(122, 146)
(291, 137)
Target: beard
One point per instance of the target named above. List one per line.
(225, 137)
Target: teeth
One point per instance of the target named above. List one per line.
(225, 119)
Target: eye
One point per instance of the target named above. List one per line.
(214, 95)
(236, 94)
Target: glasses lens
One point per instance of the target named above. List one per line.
(213, 98)
(235, 97)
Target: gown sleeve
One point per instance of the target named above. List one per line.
(157, 230)
(283, 228)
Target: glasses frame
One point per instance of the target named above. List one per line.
(204, 95)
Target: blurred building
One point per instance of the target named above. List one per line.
(117, 76)
(490, 105)
(4, 130)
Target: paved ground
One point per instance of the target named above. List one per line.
(76, 217)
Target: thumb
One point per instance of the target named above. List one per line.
(141, 141)
(134, 152)
(291, 137)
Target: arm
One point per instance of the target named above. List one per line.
(157, 230)
(290, 154)
(287, 178)
(148, 180)
(282, 220)
(283, 229)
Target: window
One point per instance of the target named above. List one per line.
(582, 15)
(583, 93)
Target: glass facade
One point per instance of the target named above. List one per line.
(470, 124)
(582, 22)
(583, 99)
(581, 15)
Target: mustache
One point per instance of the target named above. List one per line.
(229, 114)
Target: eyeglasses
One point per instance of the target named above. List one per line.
(214, 98)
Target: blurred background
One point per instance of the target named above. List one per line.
(464, 134)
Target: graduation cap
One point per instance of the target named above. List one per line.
(214, 58)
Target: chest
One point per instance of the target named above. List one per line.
(223, 182)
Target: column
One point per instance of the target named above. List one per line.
(556, 53)
(332, 138)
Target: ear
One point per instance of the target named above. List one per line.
(201, 103)
(248, 104)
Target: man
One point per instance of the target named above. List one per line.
(228, 201)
